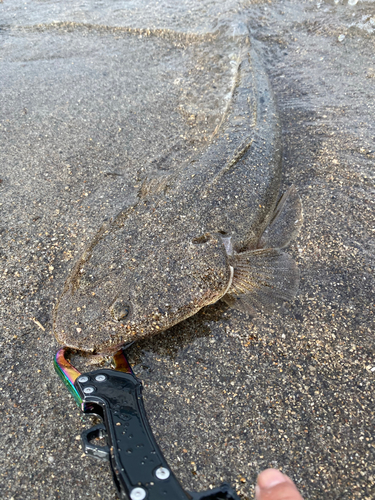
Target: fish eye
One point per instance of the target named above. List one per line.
(120, 309)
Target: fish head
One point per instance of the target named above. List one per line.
(131, 282)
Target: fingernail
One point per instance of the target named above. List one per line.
(270, 478)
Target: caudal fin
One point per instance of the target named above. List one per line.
(262, 280)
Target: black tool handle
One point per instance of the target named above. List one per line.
(139, 469)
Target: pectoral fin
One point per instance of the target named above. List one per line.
(285, 223)
(262, 280)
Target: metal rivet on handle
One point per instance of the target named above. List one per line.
(89, 390)
(162, 473)
(137, 494)
(83, 379)
(100, 378)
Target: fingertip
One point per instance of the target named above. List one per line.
(274, 485)
(269, 478)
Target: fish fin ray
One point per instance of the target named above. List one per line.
(239, 302)
(285, 223)
(262, 280)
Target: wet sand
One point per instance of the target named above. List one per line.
(91, 103)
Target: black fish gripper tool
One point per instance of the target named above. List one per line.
(139, 469)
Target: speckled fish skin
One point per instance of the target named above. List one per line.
(163, 259)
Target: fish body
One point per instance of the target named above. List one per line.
(210, 231)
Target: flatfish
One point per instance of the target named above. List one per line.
(214, 229)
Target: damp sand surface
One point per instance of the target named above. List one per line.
(91, 103)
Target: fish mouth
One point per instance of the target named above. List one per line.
(76, 323)
(110, 351)
(100, 338)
